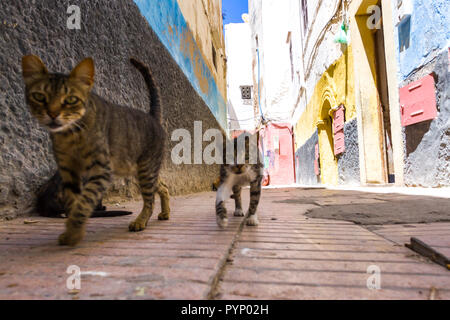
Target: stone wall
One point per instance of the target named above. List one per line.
(305, 157)
(348, 162)
(427, 144)
(111, 32)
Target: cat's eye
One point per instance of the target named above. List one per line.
(39, 97)
(71, 100)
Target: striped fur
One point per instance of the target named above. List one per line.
(232, 178)
(50, 201)
(93, 139)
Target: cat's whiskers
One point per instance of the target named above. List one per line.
(77, 125)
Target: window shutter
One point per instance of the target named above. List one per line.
(338, 130)
(418, 101)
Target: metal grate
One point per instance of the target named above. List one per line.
(246, 92)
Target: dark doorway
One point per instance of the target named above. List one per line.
(383, 95)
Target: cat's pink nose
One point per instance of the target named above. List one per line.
(53, 114)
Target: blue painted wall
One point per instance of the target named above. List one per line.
(166, 19)
(427, 31)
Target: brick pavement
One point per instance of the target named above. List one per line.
(289, 256)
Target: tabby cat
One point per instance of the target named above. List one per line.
(93, 138)
(233, 177)
(50, 201)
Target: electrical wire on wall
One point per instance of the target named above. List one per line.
(259, 91)
(242, 119)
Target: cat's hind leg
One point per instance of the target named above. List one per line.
(164, 196)
(255, 195)
(237, 200)
(148, 182)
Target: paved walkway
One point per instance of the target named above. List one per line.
(289, 256)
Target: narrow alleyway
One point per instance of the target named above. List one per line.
(289, 256)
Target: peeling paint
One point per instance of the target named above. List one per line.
(188, 48)
(338, 79)
(167, 21)
(429, 34)
(335, 87)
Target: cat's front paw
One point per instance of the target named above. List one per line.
(137, 225)
(70, 238)
(163, 216)
(253, 221)
(222, 222)
(238, 213)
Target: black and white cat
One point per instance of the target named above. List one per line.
(237, 175)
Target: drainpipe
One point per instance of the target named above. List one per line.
(259, 90)
(260, 110)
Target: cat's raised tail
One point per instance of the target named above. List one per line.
(155, 100)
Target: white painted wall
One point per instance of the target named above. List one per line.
(319, 49)
(239, 73)
(271, 22)
(284, 98)
(298, 83)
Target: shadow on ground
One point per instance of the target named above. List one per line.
(390, 209)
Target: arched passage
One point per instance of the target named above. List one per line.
(328, 162)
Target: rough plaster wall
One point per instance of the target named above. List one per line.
(254, 11)
(305, 156)
(297, 60)
(429, 34)
(167, 21)
(204, 18)
(348, 162)
(36, 27)
(320, 50)
(427, 144)
(428, 165)
(271, 23)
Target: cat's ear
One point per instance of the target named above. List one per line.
(84, 72)
(32, 68)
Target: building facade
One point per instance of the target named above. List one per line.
(375, 105)
(192, 33)
(422, 45)
(276, 70)
(241, 112)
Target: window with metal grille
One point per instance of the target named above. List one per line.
(246, 92)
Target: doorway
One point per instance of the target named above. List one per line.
(372, 94)
(328, 162)
(383, 96)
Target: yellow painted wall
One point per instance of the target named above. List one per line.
(371, 122)
(338, 80)
(352, 80)
(335, 87)
(204, 18)
(328, 162)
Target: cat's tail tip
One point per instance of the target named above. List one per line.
(155, 103)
